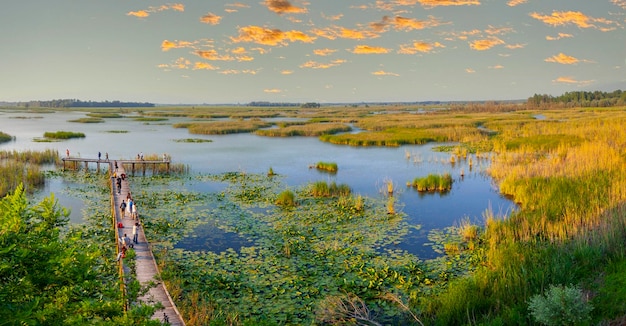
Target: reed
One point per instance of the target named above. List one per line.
(88, 120)
(433, 182)
(105, 115)
(225, 127)
(324, 189)
(63, 134)
(286, 199)
(307, 130)
(327, 166)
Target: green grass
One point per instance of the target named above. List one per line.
(433, 182)
(150, 119)
(63, 134)
(105, 115)
(88, 120)
(193, 140)
(308, 130)
(223, 127)
(5, 137)
(327, 166)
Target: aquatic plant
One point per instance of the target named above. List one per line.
(193, 140)
(63, 134)
(286, 199)
(88, 120)
(308, 130)
(327, 166)
(4, 137)
(433, 182)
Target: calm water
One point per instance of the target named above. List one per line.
(364, 169)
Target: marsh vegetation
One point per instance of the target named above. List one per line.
(320, 253)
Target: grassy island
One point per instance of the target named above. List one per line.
(63, 134)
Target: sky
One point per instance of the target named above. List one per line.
(324, 51)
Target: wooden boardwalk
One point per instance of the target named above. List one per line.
(146, 267)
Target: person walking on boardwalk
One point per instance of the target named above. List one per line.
(67, 153)
(123, 208)
(130, 207)
(136, 232)
(126, 241)
(99, 156)
(106, 156)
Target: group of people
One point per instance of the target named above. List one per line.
(127, 206)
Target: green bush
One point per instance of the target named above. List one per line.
(286, 198)
(560, 305)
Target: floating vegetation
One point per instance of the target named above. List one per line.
(4, 137)
(327, 166)
(224, 127)
(323, 189)
(105, 115)
(25, 117)
(63, 134)
(310, 129)
(150, 119)
(23, 168)
(45, 140)
(286, 199)
(193, 140)
(117, 131)
(88, 120)
(433, 182)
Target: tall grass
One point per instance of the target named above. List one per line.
(224, 127)
(324, 189)
(24, 168)
(5, 137)
(310, 129)
(327, 166)
(63, 134)
(572, 224)
(433, 182)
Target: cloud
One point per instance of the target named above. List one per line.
(168, 45)
(562, 59)
(366, 49)
(324, 52)
(416, 47)
(470, 70)
(234, 7)
(139, 14)
(283, 7)
(335, 32)
(210, 19)
(405, 24)
(498, 30)
(384, 73)
(272, 90)
(264, 36)
(560, 36)
(485, 44)
(180, 63)
(515, 46)
(568, 80)
(204, 66)
(318, 65)
(145, 13)
(513, 3)
(212, 55)
(332, 18)
(496, 67)
(236, 72)
(619, 3)
(286, 72)
(437, 3)
(562, 18)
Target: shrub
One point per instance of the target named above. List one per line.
(560, 305)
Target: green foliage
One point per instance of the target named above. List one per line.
(193, 140)
(63, 134)
(88, 120)
(327, 166)
(560, 305)
(433, 182)
(105, 115)
(286, 199)
(324, 189)
(4, 137)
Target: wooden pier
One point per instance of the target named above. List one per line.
(146, 268)
(74, 163)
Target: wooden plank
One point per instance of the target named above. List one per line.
(146, 267)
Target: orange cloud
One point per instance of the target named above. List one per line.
(513, 3)
(470, 70)
(619, 3)
(272, 90)
(409, 24)
(419, 47)
(236, 72)
(272, 37)
(366, 49)
(562, 18)
(324, 52)
(139, 14)
(283, 7)
(498, 30)
(515, 46)
(568, 80)
(243, 58)
(335, 32)
(384, 73)
(212, 55)
(204, 66)
(318, 65)
(562, 59)
(150, 10)
(485, 44)
(560, 36)
(496, 67)
(332, 18)
(211, 19)
(286, 72)
(437, 3)
(168, 45)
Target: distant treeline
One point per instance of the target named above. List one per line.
(272, 104)
(72, 103)
(579, 99)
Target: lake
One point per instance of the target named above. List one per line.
(365, 169)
